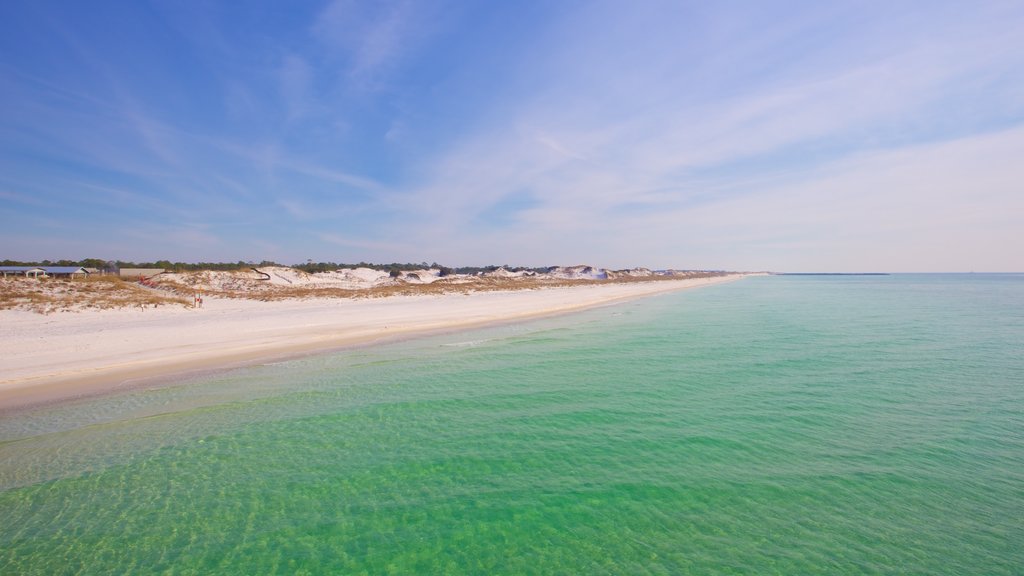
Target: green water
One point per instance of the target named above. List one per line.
(778, 425)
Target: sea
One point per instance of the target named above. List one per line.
(773, 425)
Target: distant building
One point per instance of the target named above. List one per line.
(33, 271)
(65, 271)
(44, 271)
(140, 272)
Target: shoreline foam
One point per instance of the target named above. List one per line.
(69, 355)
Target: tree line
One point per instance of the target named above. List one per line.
(393, 268)
(113, 265)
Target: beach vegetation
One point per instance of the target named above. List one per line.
(93, 292)
(309, 266)
(237, 280)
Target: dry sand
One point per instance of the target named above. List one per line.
(66, 355)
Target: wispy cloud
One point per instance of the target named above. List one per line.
(365, 243)
(296, 77)
(196, 239)
(905, 210)
(740, 135)
(586, 165)
(372, 37)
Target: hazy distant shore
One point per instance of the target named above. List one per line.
(65, 355)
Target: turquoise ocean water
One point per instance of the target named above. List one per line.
(776, 425)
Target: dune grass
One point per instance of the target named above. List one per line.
(254, 289)
(48, 295)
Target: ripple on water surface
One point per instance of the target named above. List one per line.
(775, 425)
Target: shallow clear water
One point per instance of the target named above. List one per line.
(841, 425)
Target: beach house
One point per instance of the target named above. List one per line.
(33, 271)
(44, 271)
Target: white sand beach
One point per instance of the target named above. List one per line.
(69, 354)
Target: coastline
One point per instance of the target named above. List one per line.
(53, 358)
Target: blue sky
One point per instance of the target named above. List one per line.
(883, 136)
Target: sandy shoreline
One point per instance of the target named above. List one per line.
(60, 356)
